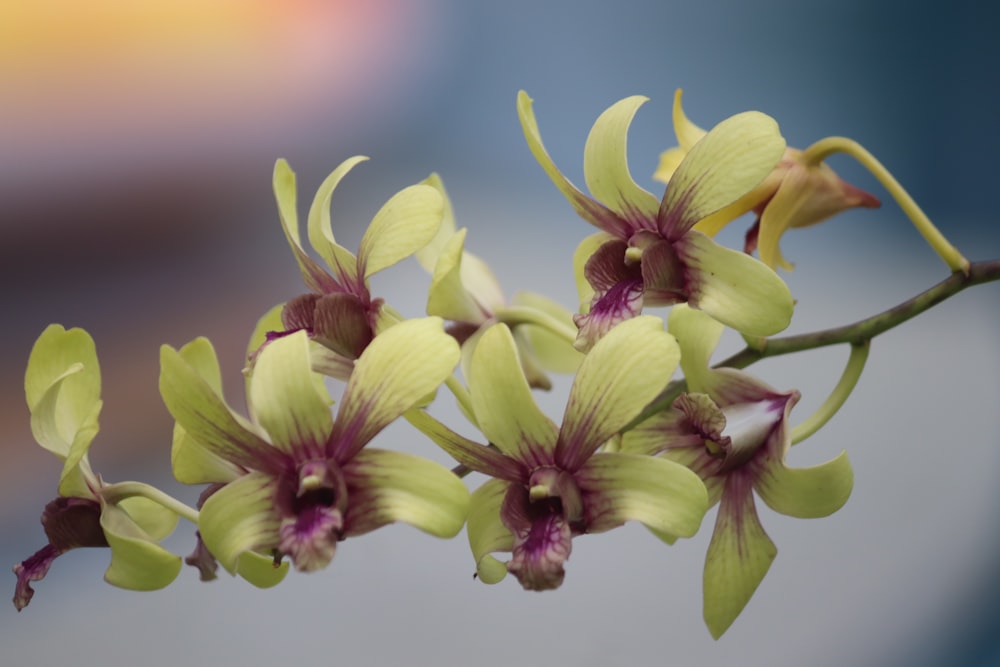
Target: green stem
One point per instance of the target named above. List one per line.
(527, 315)
(123, 490)
(857, 333)
(835, 401)
(945, 250)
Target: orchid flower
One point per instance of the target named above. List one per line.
(297, 481)
(339, 311)
(648, 252)
(732, 430)
(466, 292)
(550, 484)
(63, 389)
(795, 194)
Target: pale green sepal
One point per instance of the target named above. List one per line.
(238, 518)
(501, 399)
(447, 296)
(735, 288)
(619, 377)
(554, 353)
(269, 322)
(155, 520)
(76, 478)
(428, 255)
(481, 283)
(688, 134)
(487, 534)
(400, 367)
(605, 163)
(55, 351)
(586, 208)
(284, 397)
(732, 159)
(388, 487)
(698, 335)
(204, 414)
(190, 461)
(137, 562)
(739, 556)
(260, 570)
(665, 496)
(283, 182)
(63, 370)
(583, 252)
(337, 257)
(806, 493)
(404, 224)
(193, 464)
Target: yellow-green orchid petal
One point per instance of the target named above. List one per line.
(260, 570)
(739, 556)
(269, 322)
(735, 156)
(284, 397)
(553, 352)
(385, 487)
(238, 518)
(698, 335)
(154, 519)
(63, 369)
(204, 414)
(400, 367)
(583, 252)
(688, 134)
(806, 493)
(138, 563)
(471, 454)
(487, 534)
(605, 164)
(285, 195)
(501, 399)
(593, 212)
(404, 224)
(340, 259)
(448, 296)
(734, 288)
(428, 255)
(620, 376)
(50, 424)
(191, 462)
(665, 496)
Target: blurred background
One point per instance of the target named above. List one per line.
(137, 140)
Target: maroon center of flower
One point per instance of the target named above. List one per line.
(313, 522)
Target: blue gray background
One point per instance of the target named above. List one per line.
(147, 230)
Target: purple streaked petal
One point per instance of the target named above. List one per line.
(592, 211)
(343, 324)
(501, 399)
(664, 495)
(481, 458)
(739, 555)
(733, 287)
(605, 166)
(206, 417)
(386, 487)
(401, 367)
(620, 376)
(728, 162)
(542, 539)
(286, 399)
(616, 304)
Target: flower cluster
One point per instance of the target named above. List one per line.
(285, 483)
